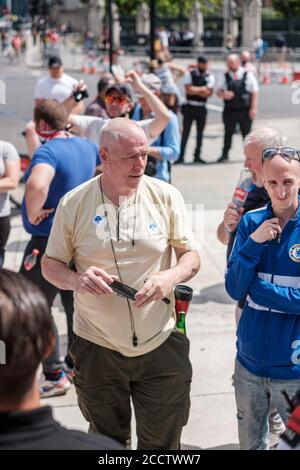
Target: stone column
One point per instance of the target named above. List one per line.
(196, 24)
(96, 13)
(230, 25)
(142, 23)
(116, 25)
(252, 12)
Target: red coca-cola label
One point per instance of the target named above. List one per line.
(240, 194)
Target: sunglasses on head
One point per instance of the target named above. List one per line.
(109, 99)
(284, 152)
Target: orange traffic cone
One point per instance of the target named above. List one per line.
(285, 77)
(85, 67)
(266, 79)
(93, 68)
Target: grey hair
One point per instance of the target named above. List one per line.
(266, 137)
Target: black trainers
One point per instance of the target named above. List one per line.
(223, 158)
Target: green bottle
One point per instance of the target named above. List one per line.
(180, 325)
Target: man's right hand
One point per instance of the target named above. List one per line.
(267, 231)
(232, 217)
(94, 281)
(228, 95)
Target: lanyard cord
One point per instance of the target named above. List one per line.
(134, 337)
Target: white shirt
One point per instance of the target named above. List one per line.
(187, 79)
(164, 38)
(56, 89)
(251, 81)
(91, 126)
(7, 153)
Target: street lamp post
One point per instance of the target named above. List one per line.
(152, 28)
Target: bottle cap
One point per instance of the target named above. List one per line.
(183, 292)
(35, 251)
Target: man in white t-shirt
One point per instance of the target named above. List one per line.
(56, 86)
(126, 225)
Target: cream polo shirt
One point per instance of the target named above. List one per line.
(156, 219)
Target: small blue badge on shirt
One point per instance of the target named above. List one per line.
(97, 219)
(153, 228)
(295, 253)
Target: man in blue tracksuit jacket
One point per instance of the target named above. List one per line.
(265, 266)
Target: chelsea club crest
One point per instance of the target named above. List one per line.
(295, 253)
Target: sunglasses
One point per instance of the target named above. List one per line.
(284, 152)
(120, 100)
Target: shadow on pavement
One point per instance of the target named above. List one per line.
(215, 293)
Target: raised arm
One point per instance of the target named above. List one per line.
(160, 111)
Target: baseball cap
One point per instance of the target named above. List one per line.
(151, 81)
(169, 90)
(54, 61)
(202, 59)
(122, 88)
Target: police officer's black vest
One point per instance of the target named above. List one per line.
(198, 79)
(242, 98)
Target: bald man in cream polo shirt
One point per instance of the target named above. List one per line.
(124, 225)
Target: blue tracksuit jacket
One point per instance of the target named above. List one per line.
(268, 335)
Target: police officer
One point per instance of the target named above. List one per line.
(239, 90)
(199, 84)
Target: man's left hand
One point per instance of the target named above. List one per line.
(252, 113)
(42, 215)
(156, 287)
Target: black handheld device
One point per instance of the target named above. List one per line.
(127, 291)
(80, 95)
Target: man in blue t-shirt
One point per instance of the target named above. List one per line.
(57, 167)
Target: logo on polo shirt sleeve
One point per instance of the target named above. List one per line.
(295, 253)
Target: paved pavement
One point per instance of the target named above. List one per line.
(210, 321)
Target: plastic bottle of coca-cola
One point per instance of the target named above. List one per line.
(242, 188)
(31, 259)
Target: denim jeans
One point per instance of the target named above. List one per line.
(253, 397)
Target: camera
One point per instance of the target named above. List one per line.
(80, 95)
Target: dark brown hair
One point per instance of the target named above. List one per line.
(52, 112)
(25, 331)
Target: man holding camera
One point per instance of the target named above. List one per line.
(125, 225)
(56, 86)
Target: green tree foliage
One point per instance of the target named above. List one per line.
(171, 8)
(288, 8)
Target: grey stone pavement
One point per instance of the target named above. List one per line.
(210, 321)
